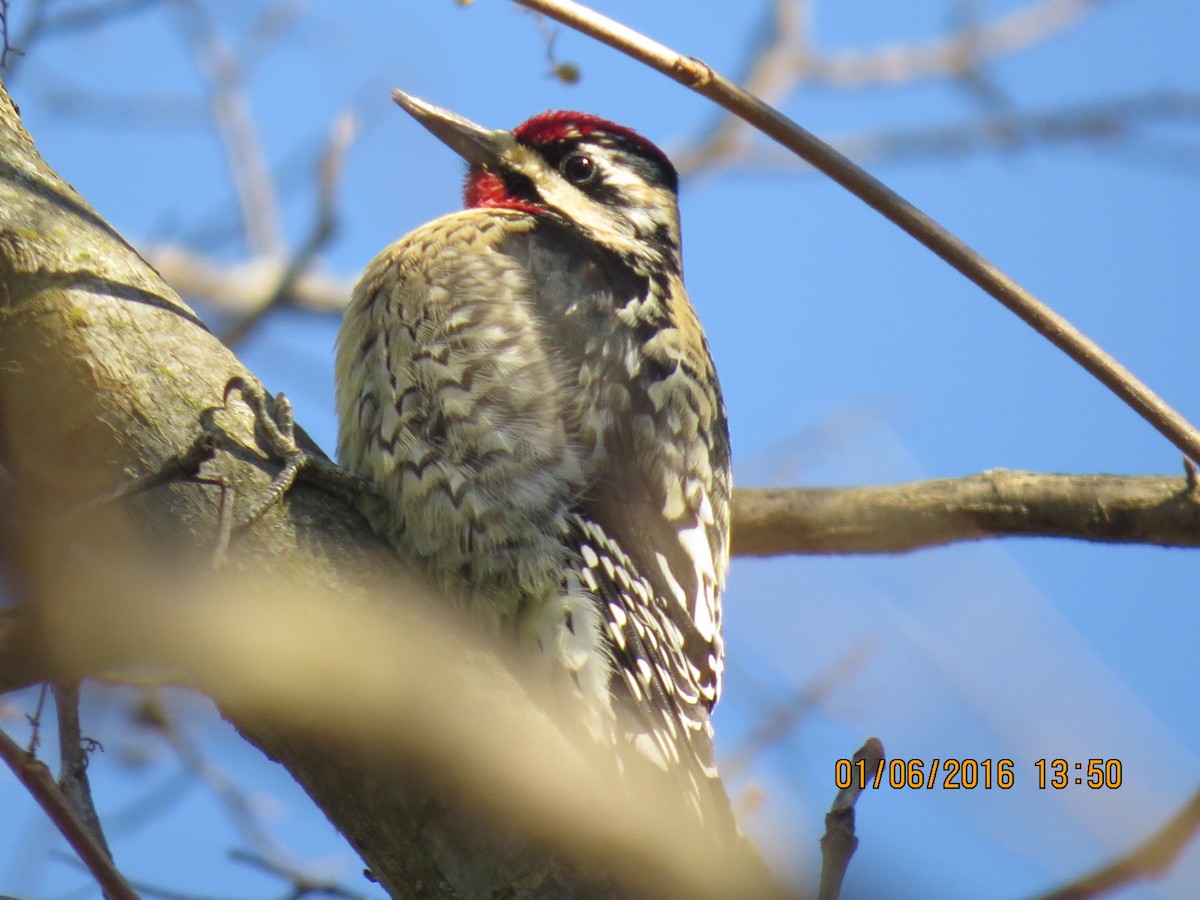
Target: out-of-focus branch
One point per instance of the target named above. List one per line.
(142, 111)
(238, 807)
(5, 47)
(774, 724)
(36, 778)
(954, 53)
(1155, 510)
(390, 691)
(1150, 859)
(784, 57)
(238, 131)
(302, 885)
(239, 288)
(40, 23)
(329, 170)
(269, 29)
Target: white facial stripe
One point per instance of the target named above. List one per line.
(623, 228)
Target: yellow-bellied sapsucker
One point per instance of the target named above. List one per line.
(528, 386)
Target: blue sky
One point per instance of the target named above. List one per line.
(848, 355)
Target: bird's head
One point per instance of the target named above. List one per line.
(605, 180)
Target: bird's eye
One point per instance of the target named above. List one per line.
(579, 169)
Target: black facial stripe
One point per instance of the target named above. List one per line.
(519, 187)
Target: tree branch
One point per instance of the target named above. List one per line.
(324, 224)
(37, 779)
(898, 518)
(839, 841)
(73, 752)
(237, 130)
(239, 288)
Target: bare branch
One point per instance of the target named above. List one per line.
(5, 47)
(240, 288)
(73, 753)
(40, 24)
(37, 779)
(302, 885)
(237, 129)
(142, 111)
(898, 518)
(329, 170)
(1150, 859)
(698, 76)
(839, 841)
(955, 53)
(784, 57)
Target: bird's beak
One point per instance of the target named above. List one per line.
(477, 145)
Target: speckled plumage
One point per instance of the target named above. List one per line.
(529, 387)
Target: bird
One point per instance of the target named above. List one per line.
(527, 386)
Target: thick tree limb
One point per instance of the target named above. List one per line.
(105, 376)
(998, 503)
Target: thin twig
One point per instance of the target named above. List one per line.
(38, 780)
(839, 841)
(143, 888)
(1152, 858)
(238, 806)
(162, 112)
(698, 76)
(784, 57)
(302, 885)
(86, 18)
(73, 755)
(35, 720)
(39, 24)
(1003, 36)
(5, 47)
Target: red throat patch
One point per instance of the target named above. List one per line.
(485, 188)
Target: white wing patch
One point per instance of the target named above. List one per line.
(704, 605)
